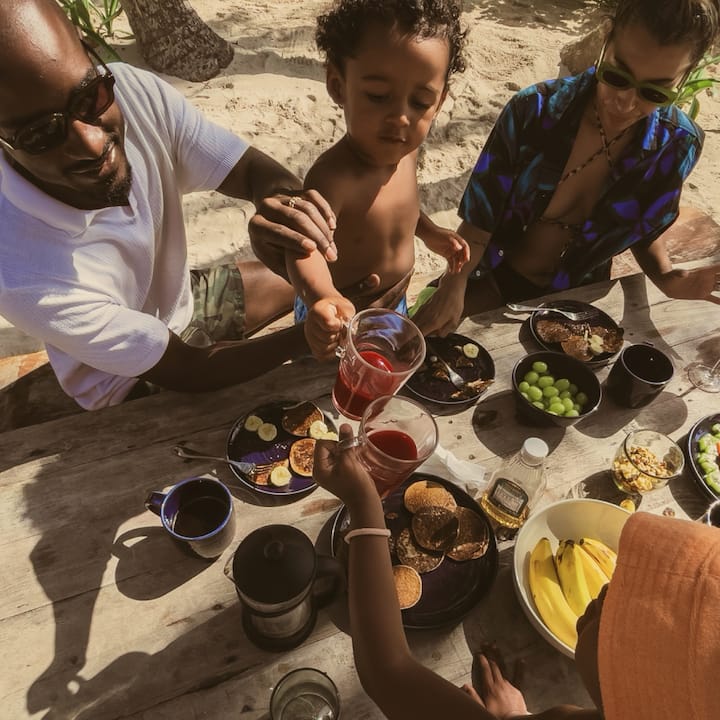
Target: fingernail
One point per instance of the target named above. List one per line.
(331, 254)
(308, 245)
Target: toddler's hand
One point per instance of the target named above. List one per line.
(324, 322)
(450, 245)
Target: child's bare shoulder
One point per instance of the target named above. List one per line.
(335, 174)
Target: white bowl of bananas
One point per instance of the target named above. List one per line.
(564, 554)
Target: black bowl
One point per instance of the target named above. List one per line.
(701, 427)
(560, 366)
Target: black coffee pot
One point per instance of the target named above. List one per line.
(281, 582)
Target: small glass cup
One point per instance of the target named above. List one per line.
(305, 694)
(396, 436)
(712, 514)
(380, 351)
(646, 460)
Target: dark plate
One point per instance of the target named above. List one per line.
(247, 446)
(696, 431)
(599, 318)
(451, 590)
(437, 390)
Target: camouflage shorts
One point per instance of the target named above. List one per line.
(219, 312)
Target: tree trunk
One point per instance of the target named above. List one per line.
(174, 40)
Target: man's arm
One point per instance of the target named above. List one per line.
(192, 369)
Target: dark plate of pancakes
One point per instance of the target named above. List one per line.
(292, 447)
(594, 341)
(442, 533)
(468, 358)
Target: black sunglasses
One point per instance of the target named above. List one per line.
(86, 104)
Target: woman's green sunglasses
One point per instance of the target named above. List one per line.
(622, 80)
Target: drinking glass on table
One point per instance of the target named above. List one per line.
(380, 350)
(705, 377)
(396, 435)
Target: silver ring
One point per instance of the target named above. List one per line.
(292, 201)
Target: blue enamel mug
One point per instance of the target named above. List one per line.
(197, 511)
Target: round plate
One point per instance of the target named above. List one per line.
(598, 318)
(451, 590)
(701, 427)
(247, 446)
(449, 348)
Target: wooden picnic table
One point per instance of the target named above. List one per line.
(102, 616)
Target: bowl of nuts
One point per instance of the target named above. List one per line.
(646, 460)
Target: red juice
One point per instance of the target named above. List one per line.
(394, 443)
(356, 387)
(399, 460)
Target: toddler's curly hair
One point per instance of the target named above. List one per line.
(342, 28)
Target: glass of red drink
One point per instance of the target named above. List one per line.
(395, 437)
(381, 349)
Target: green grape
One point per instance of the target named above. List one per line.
(581, 398)
(572, 413)
(545, 381)
(523, 386)
(531, 377)
(568, 404)
(539, 405)
(550, 391)
(558, 408)
(564, 394)
(534, 392)
(573, 389)
(562, 384)
(539, 367)
(526, 396)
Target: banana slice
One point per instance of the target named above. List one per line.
(280, 476)
(330, 435)
(267, 431)
(318, 430)
(252, 423)
(470, 350)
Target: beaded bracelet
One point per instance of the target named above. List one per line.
(357, 532)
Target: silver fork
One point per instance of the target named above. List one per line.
(569, 314)
(455, 378)
(245, 468)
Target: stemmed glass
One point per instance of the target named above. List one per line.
(705, 377)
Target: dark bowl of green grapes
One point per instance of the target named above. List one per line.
(552, 388)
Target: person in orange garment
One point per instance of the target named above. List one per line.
(648, 648)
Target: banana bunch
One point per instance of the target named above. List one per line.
(562, 585)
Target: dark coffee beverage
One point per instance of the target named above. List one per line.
(648, 364)
(200, 516)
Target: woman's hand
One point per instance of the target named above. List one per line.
(340, 472)
(492, 689)
(442, 313)
(696, 284)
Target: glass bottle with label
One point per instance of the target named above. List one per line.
(516, 486)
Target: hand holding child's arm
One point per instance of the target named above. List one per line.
(444, 242)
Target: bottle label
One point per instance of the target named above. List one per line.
(509, 497)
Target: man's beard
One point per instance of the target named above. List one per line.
(117, 191)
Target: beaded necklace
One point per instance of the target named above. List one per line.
(574, 228)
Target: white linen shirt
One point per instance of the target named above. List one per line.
(102, 287)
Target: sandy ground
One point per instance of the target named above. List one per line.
(273, 94)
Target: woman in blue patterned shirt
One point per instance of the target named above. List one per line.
(578, 169)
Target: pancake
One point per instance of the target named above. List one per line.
(473, 537)
(435, 528)
(553, 331)
(410, 553)
(426, 493)
(577, 346)
(297, 420)
(408, 585)
(302, 453)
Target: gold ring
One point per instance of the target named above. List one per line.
(292, 201)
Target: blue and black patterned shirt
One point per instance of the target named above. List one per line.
(522, 161)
